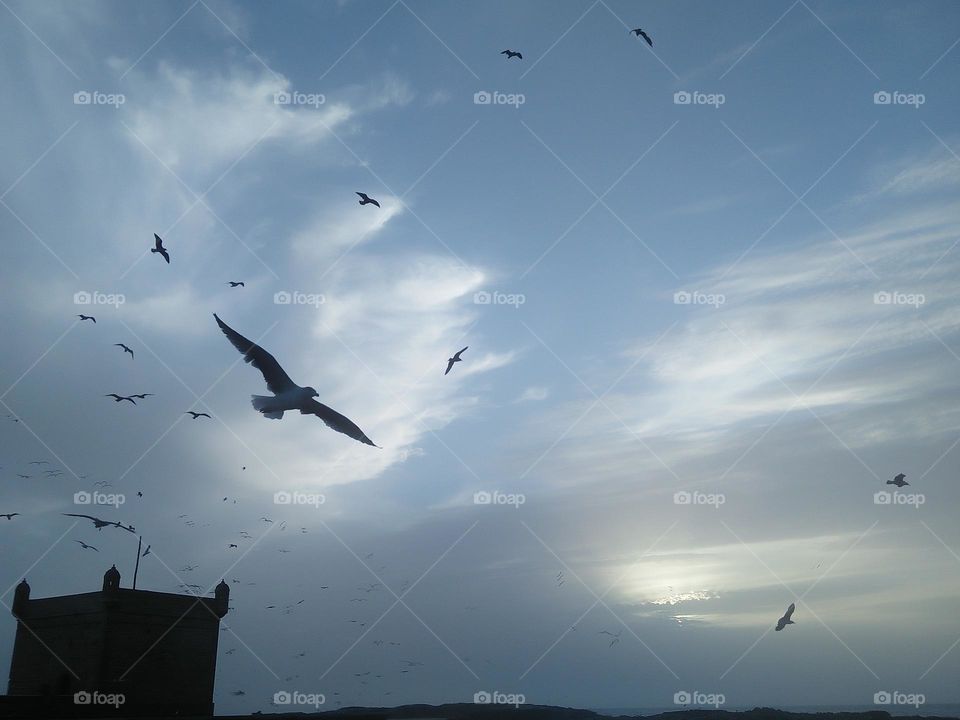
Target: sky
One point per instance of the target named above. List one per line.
(708, 289)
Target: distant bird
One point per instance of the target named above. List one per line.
(100, 524)
(640, 33)
(159, 248)
(139, 494)
(785, 620)
(511, 54)
(266, 519)
(39, 462)
(898, 481)
(367, 200)
(233, 283)
(85, 546)
(238, 693)
(25, 477)
(455, 359)
(142, 395)
(146, 552)
(616, 638)
(286, 394)
(231, 545)
(195, 416)
(125, 348)
(9, 516)
(118, 398)
(87, 317)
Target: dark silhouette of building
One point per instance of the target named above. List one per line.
(78, 655)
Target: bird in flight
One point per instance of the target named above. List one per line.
(640, 33)
(118, 398)
(9, 516)
(159, 248)
(100, 524)
(616, 638)
(142, 395)
(455, 359)
(367, 200)
(125, 348)
(195, 415)
(898, 481)
(286, 394)
(87, 317)
(785, 620)
(233, 283)
(85, 546)
(146, 552)
(511, 54)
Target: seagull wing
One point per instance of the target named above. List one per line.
(449, 365)
(336, 421)
(374, 202)
(789, 612)
(647, 38)
(277, 380)
(157, 242)
(460, 352)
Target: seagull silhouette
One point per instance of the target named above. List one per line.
(286, 394)
(87, 317)
(159, 248)
(640, 33)
(785, 620)
(367, 200)
(100, 524)
(898, 481)
(118, 398)
(455, 359)
(125, 348)
(511, 54)
(9, 516)
(233, 283)
(196, 415)
(85, 546)
(146, 552)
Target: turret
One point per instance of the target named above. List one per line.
(111, 579)
(21, 597)
(221, 596)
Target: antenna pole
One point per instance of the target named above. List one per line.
(136, 567)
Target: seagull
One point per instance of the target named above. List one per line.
(85, 546)
(9, 516)
(159, 248)
(231, 545)
(898, 481)
(640, 33)
(455, 359)
(125, 348)
(25, 477)
(286, 394)
(195, 416)
(142, 395)
(87, 317)
(39, 462)
(785, 620)
(511, 54)
(118, 398)
(367, 200)
(146, 552)
(234, 283)
(100, 524)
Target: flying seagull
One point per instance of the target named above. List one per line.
(125, 348)
(898, 481)
(85, 546)
(87, 317)
(118, 398)
(511, 54)
(286, 394)
(9, 516)
(233, 283)
(367, 200)
(196, 415)
(785, 620)
(100, 524)
(455, 359)
(640, 33)
(146, 552)
(159, 248)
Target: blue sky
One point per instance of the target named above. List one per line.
(811, 225)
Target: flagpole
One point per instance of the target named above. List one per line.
(136, 568)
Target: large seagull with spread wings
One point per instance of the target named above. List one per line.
(287, 395)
